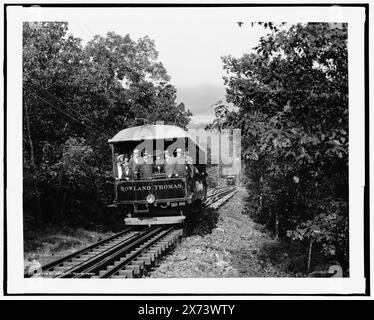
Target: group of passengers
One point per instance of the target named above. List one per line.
(144, 167)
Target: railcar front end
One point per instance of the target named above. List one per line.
(156, 194)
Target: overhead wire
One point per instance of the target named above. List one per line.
(60, 110)
(69, 107)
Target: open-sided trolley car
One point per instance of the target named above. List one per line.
(159, 174)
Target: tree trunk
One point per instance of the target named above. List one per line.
(61, 211)
(38, 213)
(260, 199)
(310, 253)
(276, 225)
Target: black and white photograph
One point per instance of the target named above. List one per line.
(190, 149)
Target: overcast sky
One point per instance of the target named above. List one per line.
(190, 41)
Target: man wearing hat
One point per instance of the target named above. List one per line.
(147, 166)
(135, 163)
(125, 160)
(180, 164)
(127, 173)
(118, 166)
(159, 163)
(169, 164)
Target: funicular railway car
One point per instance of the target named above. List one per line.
(159, 174)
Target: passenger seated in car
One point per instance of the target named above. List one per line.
(158, 167)
(135, 163)
(169, 164)
(147, 166)
(127, 173)
(180, 164)
(125, 160)
(118, 166)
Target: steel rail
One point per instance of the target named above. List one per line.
(93, 265)
(57, 262)
(216, 197)
(219, 191)
(132, 256)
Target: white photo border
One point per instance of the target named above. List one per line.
(356, 284)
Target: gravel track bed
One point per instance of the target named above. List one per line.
(224, 243)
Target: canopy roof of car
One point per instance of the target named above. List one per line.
(152, 132)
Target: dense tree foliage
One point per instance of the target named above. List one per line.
(290, 100)
(75, 97)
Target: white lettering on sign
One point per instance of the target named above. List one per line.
(168, 186)
(149, 188)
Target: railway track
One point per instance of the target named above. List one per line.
(127, 254)
(218, 196)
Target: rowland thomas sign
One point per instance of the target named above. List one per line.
(161, 189)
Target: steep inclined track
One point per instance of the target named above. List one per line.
(103, 258)
(144, 254)
(56, 267)
(126, 254)
(218, 196)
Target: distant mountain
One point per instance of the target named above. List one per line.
(202, 94)
(197, 125)
(199, 99)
